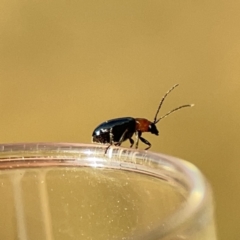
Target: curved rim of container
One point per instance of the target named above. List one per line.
(199, 189)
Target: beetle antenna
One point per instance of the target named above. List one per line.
(174, 110)
(160, 105)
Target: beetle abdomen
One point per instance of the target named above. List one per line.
(116, 129)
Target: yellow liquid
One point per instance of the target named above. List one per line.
(66, 203)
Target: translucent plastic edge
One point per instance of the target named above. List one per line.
(199, 194)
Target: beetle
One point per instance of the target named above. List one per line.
(118, 130)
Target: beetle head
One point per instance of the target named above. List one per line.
(153, 129)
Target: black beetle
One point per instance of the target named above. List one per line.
(118, 130)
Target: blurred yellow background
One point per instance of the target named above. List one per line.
(67, 66)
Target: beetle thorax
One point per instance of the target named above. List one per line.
(142, 124)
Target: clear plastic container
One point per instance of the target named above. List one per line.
(76, 191)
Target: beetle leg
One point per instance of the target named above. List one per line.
(146, 142)
(122, 138)
(138, 134)
(131, 141)
(107, 148)
(110, 137)
(110, 140)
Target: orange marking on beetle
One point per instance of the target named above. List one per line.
(142, 124)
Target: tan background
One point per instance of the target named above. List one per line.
(66, 66)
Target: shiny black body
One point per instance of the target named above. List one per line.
(115, 131)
